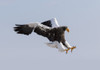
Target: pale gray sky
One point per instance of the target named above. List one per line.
(20, 52)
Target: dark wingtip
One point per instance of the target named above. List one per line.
(22, 29)
(17, 27)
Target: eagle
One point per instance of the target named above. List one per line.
(49, 29)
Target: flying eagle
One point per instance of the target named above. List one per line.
(49, 29)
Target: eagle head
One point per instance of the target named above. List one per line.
(65, 28)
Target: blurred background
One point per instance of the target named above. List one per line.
(20, 52)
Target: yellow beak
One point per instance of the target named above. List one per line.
(67, 29)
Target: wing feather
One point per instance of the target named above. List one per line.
(27, 29)
(51, 23)
(23, 29)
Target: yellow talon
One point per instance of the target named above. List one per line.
(73, 48)
(67, 50)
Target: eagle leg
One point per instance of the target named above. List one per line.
(73, 48)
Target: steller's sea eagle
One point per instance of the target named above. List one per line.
(49, 29)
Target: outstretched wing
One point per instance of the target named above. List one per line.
(23, 29)
(51, 23)
(27, 29)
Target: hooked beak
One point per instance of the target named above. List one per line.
(67, 29)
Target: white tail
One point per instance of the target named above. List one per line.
(52, 45)
(57, 45)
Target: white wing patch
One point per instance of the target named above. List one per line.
(54, 22)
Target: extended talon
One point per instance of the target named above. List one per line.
(67, 50)
(73, 48)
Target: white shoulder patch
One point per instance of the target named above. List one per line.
(54, 22)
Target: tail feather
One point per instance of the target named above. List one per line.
(52, 45)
